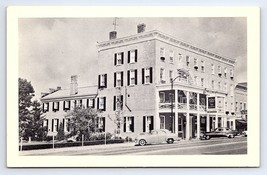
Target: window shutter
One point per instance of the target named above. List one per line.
(152, 123)
(121, 98)
(64, 102)
(43, 108)
(121, 79)
(114, 103)
(93, 106)
(104, 124)
(128, 77)
(97, 103)
(115, 59)
(63, 124)
(129, 56)
(104, 104)
(53, 106)
(151, 75)
(135, 74)
(143, 76)
(132, 125)
(57, 124)
(52, 125)
(122, 57)
(47, 124)
(124, 124)
(115, 78)
(144, 123)
(136, 55)
(87, 103)
(106, 80)
(47, 106)
(58, 105)
(98, 81)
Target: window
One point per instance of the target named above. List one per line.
(187, 60)
(80, 103)
(171, 75)
(236, 106)
(66, 125)
(202, 82)
(101, 124)
(118, 58)
(162, 122)
(225, 72)
(162, 75)
(180, 57)
(118, 102)
(132, 56)
(55, 125)
(241, 106)
(202, 66)
(219, 70)
(232, 90)
(171, 56)
(212, 69)
(226, 105)
(162, 97)
(162, 54)
(128, 124)
(102, 81)
(101, 103)
(212, 84)
(245, 106)
(66, 105)
(219, 85)
(195, 80)
(118, 79)
(45, 107)
(90, 103)
(55, 106)
(147, 75)
(132, 77)
(231, 74)
(148, 123)
(45, 124)
(225, 86)
(195, 63)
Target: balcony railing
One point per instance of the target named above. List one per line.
(193, 107)
(165, 106)
(202, 108)
(182, 106)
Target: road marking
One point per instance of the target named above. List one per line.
(192, 147)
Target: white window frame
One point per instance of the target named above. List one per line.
(202, 82)
(132, 77)
(162, 52)
(101, 103)
(132, 56)
(195, 62)
(102, 80)
(180, 57)
(128, 123)
(119, 58)
(202, 66)
(225, 72)
(118, 79)
(171, 56)
(162, 75)
(219, 69)
(147, 75)
(90, 102)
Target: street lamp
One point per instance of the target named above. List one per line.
(172, 80)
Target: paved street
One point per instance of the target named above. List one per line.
(216, 146)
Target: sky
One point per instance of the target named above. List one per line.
(53, 49)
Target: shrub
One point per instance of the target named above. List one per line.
(100, 136)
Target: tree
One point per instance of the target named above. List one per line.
(26, 92)
(82, 121)
(60, 134)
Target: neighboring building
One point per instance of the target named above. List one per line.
(241, 105)
(135, 77)
(58, 102)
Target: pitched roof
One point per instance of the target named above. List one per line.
(65, 93)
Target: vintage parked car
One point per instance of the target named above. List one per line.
(244, 133)
(220, 132)
(156, 136)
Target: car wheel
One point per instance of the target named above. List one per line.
(170, 141)
(231, 136)
(142, 142)
(207, 137)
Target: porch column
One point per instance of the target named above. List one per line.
(198, 118)
(208, 123)
(176, 111)
(234, 126)
(187, 116)
(216, 121)
(156, 118)
(225, 121)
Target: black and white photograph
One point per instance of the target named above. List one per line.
(135, 87)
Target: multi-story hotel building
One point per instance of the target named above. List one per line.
(241, 105)
(151, 80)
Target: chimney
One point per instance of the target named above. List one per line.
(112, 35)
(58, 88)
(74, 85)
(141, 28)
